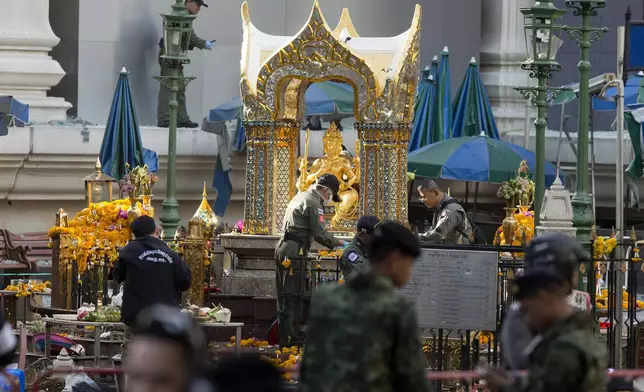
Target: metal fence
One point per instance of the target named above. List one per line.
(463, 350)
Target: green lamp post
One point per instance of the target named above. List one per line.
(582, 202)
(542, 25)
(177, 30)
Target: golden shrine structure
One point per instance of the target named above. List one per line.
(275, 73)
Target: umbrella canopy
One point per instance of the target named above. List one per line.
(322, 99)
(477, 158)
(442, 106)
(16, 109)
(122, 140)
(631, 94)
(420, 133)
(472, 110)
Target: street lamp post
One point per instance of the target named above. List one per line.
(542, 25)
(584, 35)
(177, 29)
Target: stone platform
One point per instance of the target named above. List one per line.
(253, 272)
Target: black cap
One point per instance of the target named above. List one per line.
(201, 3)
(550, 259)
(367, 223)
(330, 181)
(142, 226)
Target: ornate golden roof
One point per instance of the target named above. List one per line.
(205, 213)
(382, 71)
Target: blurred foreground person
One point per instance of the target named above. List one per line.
(166, 353)
(245, 374)
(363, 336)
(564, 356)
(516, 335)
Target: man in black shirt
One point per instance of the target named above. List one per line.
(152, 272)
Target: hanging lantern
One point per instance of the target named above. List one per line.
(177, 30)
(98, 186)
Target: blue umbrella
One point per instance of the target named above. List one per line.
(631, 93)
(472, 110)
(122, 140)
(421, 131)
(16, 109)
(442, 115)
(326, 98)
(478, 158)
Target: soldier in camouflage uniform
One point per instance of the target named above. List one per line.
(163, 116)
(303, 222)
(354, 256)
(450, 225)
(363, 335)
(564, 355)
(516, 336)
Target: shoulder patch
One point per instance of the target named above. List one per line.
(321, 211)
(353, 257)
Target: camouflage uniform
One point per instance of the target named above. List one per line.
(303, 221)
(450, 225)
(354, 258)
(163, 114)
(566, 358)
(362, 336)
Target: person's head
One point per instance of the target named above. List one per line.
(143, 226)
(231, 375)
(366, 227)
(165, 353)
(551, 264)
(194, 6)
(328, 187)
(431, 194)
(393, 251)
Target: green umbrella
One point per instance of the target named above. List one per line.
(478, 158)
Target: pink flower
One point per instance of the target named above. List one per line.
(239, 225)
(122, 214)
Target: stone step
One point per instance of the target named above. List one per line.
(249, 282)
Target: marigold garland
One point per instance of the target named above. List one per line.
(25, 289)
(95, 234)
(603, 247)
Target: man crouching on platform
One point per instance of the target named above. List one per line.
(303, 222)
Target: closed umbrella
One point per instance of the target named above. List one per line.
(122, 139)
(472, 110)
(476, 158)
(442, 107)
(421, 131)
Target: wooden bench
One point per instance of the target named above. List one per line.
(12, 255)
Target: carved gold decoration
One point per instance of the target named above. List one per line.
(375, 180)
(205, 213)
(194, 248)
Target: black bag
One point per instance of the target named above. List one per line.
(477, 237)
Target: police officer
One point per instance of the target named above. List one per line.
(163, 117)
(354, 257)
(303, 222)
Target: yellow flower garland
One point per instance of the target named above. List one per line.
(524, 228)
(94, 235)
(26, 289)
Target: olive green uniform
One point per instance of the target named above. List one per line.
(165, 94)
(303, 222)
(354, 258)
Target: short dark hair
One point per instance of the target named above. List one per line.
(390, 237)
(169, 324)
(143, 226)
(231, 375)
(430, 185)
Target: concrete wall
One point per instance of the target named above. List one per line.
(117, 33)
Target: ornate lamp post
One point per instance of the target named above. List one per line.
(177, 29)
(542, 25)
(584, 35)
